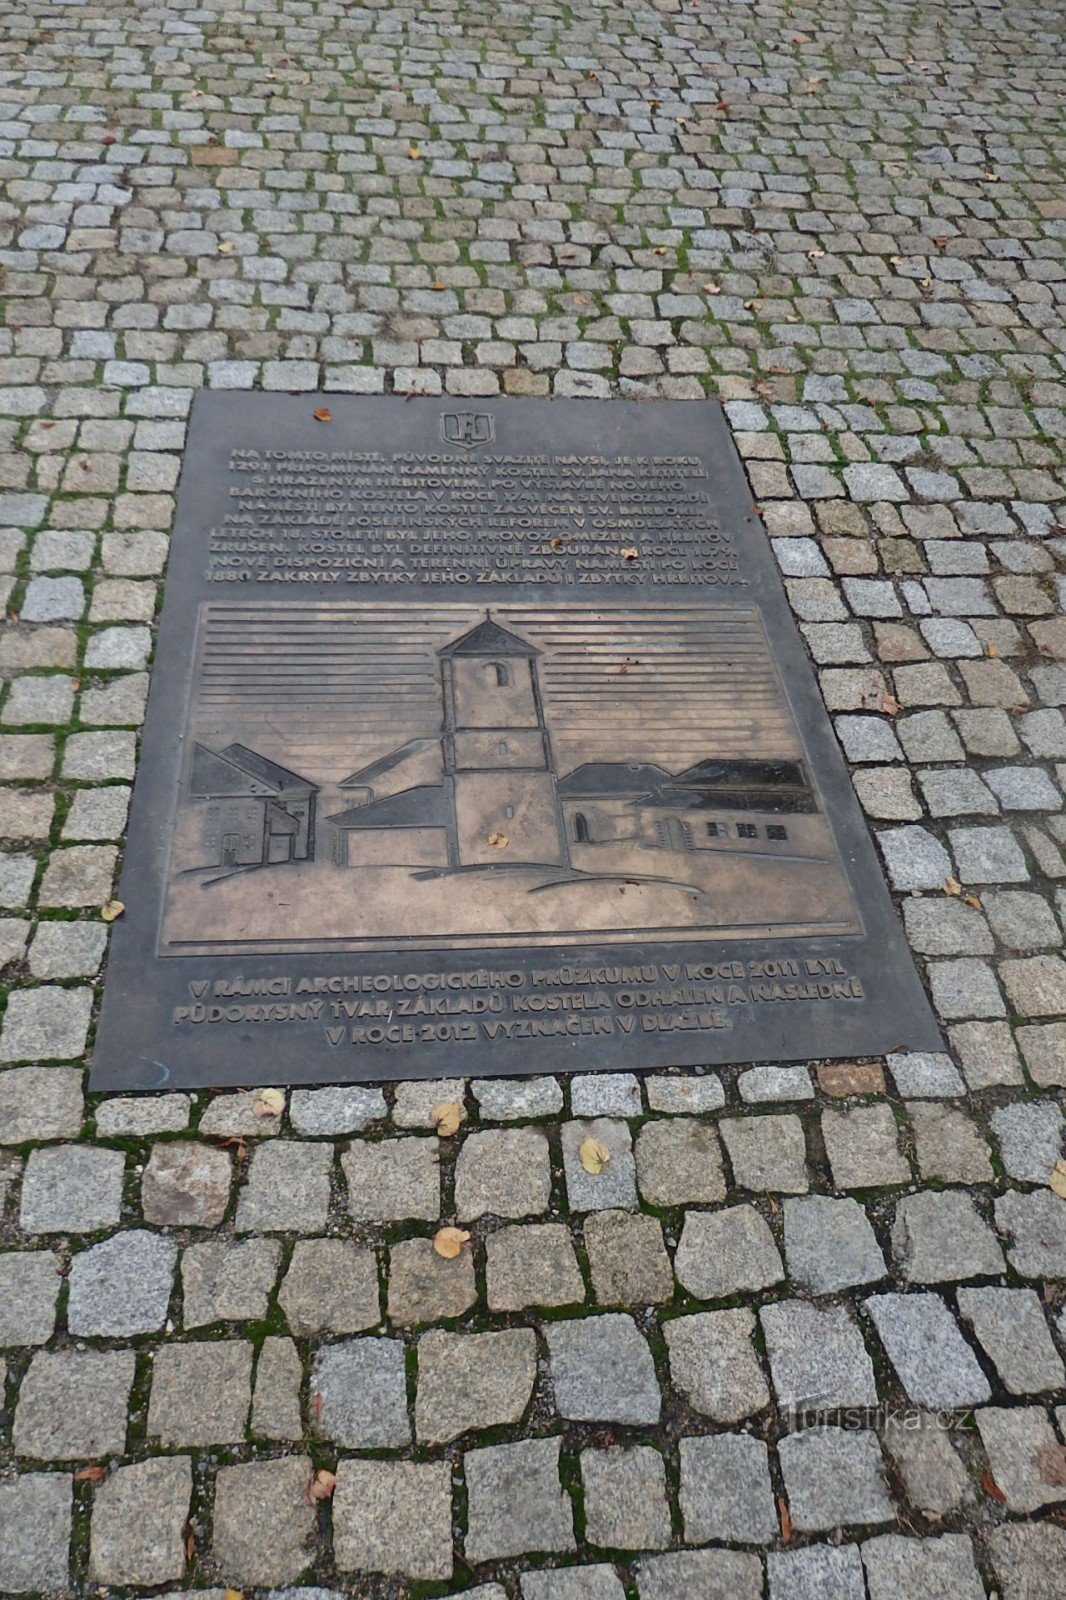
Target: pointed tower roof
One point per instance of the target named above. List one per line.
(489, 639)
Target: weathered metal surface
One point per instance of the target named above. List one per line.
(481, 739)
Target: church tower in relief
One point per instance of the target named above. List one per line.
(497, 752)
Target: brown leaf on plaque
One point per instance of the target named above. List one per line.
(445, 1118)
(499, 841)
(630, 553)
(323, 414)
(593, 1156)
(447, 1242)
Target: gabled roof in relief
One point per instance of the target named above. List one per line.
(239, 771)
(386, 764)
(428, 806)
(600, 779)
(489, 639)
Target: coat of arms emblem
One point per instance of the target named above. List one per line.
(467, 428)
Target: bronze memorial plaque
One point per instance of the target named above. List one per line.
(481, 739)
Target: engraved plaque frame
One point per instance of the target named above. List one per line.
(481, 739)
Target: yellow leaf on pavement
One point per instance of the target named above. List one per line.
(1058, 1179)
(113, 909)
(449, 1241)
(445, 1118)
(593, 1156)
(271, 1103)
(323, 1484)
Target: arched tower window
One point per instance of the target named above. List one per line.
(497, 673)
(581, 828)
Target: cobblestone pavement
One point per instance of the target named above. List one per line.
(846, 220)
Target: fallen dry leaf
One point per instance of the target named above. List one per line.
(629, 553)
(234, 1594)
(1057, 1181)
(113, 909)
(499, 841)
(990, 1486)
(226, 247)
(712, 288)
(593, 1156)
(786, 1520)
(952, 886)
(322, 1485)
(271, 1103)
(323, 414)
(890, 705)
(445, 1118)
(90, 1475)
(448, 1242)
(413, 152)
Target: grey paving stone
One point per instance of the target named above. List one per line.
(517, 1099)
(986, 1053)
(424, 1287)
(965, 988)
(359, 1394)
(627, 1258)
(767, 1084)
(505, 1173)
(534, 1265)
(122, 1286)
(830, 1245)
(767, 1153)
(35, 1527)
(1036, 985)
(186, 1185)
(933, 1476)
(726, 1494)
(834, 1478)
(949, 1144)
(681, 1096)
(924, 1075)
(335, 1110)
(721, 1253)
(40, 1103)
(1027, 1558)
(1034, 1226)
(201, 1392)
(605, 1094)
(711, 1574)
(899, 1568)
(1043, 1047)
(614, 1186)
(331, 1286)
(53, 600)
(572, 1583)
(1010, 1326)
(226, 1280)
(71, 1189)
(1024, 1456)
(602, 1370)
(472, 1381)
(713, 1363)
(939, 1236)
(862, 1145)
(67, 949)
(276, 1398)
(987, 855)
(264, 1521)
(914, 858)
(516, 1503)
(1029, 1136)
(393, 1179)
(138, 1523)
(415, 1102)
(29, 1288)
(818, 1361)
(45, 1024)
(287, 1189)
(679, 1162)
(625, 1498)
(818, 1572)
(1020, 919)
(230, 1116)
(932, 1360)
(72, 1405)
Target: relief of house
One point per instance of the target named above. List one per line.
(740, 806)
(256, 813)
